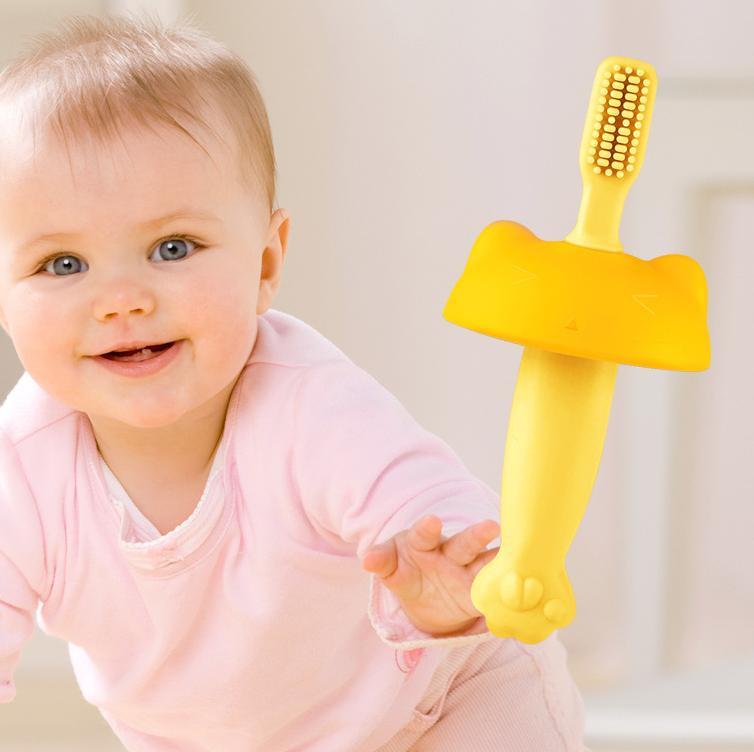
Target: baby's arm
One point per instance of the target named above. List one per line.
(16, 624)
(21, 566)
(366, 472)
(431, 575)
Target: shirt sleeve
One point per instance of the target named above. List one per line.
(369, 471)
(394, 628)
(21, 565)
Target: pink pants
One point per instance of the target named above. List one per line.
(497, 696)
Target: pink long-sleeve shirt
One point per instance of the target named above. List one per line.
(252, 626)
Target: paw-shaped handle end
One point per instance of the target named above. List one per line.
(527, 603)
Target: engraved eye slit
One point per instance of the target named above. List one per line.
(616, 130)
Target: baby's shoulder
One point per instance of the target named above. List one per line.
(301, 360)
(29, 410)
(286, 341)
(297, 378)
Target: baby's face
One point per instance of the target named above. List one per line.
(131, 273)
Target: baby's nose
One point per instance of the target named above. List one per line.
(123, 298)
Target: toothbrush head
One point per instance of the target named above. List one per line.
(612, 148)
(617, 123)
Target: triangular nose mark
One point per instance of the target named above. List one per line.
(572, 325)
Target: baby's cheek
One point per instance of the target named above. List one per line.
(39, 341)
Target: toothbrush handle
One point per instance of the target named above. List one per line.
(556, 433)
(598, 223)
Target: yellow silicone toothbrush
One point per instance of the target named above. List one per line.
(580, 307)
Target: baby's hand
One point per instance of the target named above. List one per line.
(432, 575)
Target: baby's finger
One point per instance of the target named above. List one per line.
(426, 534)
(464, 547)
(381, 559)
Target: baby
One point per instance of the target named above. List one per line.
(248, 543)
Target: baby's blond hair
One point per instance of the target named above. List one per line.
(95, 75)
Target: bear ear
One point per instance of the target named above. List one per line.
(484, 297)
(589, 303)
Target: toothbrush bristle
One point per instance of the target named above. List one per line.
(620, 115)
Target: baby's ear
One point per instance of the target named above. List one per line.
(272, 259)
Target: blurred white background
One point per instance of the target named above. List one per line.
(402, 128)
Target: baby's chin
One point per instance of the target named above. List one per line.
(174, 414)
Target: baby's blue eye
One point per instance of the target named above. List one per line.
(62, 266)
(173, 249)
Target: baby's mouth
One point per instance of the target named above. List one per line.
(137, 354)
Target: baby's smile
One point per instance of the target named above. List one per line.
(136, 354)
(139, 360)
